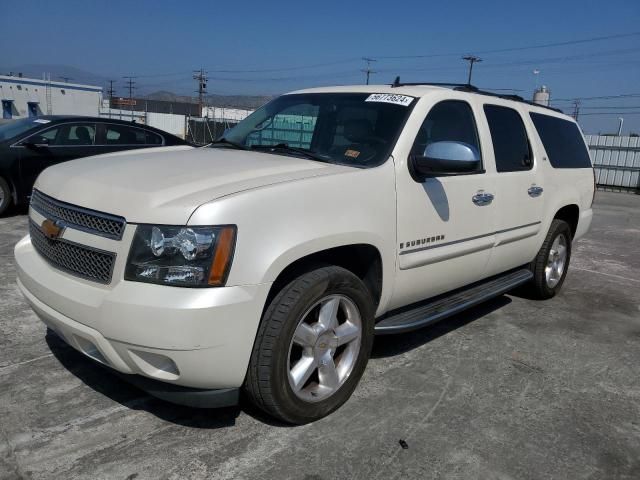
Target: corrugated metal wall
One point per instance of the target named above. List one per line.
(168, 122)
(616, 161)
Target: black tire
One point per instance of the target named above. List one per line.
(267, 382)
(5, 195)
(538, 287)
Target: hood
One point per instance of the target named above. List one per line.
(165, 185)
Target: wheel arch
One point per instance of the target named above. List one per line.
(364, 260)
(570, 214)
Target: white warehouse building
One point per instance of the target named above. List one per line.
(28, 97)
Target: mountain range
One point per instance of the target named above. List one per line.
(77, 75)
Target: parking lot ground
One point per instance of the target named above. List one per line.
(513, 389)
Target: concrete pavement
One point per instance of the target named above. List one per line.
(513, 389)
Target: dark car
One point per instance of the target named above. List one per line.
(30, 145)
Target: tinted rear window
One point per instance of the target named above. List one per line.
(562, 140)
(509, 138)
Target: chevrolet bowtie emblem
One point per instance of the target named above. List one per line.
(52, 229)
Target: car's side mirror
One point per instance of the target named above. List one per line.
(445, 158)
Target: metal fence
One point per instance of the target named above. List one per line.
(201, 131)
(616, 161)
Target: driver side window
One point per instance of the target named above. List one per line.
(46, 137)
(293, 126)
(447, 121)
(50, 134)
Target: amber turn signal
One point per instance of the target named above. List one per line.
(223, 255)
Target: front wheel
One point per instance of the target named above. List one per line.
(312, 347)
(552, 262)
(5, 196)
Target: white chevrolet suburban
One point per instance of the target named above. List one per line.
(266, 262)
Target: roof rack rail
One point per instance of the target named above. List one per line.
(467, 87)
(397, 83)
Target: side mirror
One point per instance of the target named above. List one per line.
(445, 158)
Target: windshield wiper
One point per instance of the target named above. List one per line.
(283, 147)
(224, 142)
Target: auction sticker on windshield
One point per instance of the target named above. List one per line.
(403, 100)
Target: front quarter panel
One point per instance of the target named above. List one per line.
(279, 224)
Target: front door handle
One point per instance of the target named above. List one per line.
(482, 198)
(535, 191)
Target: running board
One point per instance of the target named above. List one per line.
(443, 307)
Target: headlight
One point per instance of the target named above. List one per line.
(181, 256)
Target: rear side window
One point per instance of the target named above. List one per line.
(75, 135)
(562, 141)
(123, 135)
(509, 138)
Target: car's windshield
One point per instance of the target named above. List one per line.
(356, 129)
(17, 127)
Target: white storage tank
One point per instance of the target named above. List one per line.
(541, 96)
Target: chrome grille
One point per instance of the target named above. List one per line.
(79, 260)
(90, 221)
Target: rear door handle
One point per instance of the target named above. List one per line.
(535, 191)
(482, 198)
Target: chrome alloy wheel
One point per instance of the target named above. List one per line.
(324, 348)
(556, 261)
(1, 197)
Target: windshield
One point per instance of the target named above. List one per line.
(347, 128)
(18, 127)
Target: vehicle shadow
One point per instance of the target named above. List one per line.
(105, 382)
(391, 345)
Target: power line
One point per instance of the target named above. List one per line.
(566, 58)
(389, 57)
(517, 49)
(609, 107)
(611, 113)
(439, 68)
(602, 97)
(535, 62)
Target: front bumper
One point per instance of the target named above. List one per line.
(196, 338)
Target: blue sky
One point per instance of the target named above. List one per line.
(163, 41)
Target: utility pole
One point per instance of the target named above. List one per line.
(368, 70)
(111, 91)
(201, 77)
(130, 85)
(576, 109)
(471, 59)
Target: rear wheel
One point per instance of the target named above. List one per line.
(552, 262)
(5, 196)
(312, 347)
